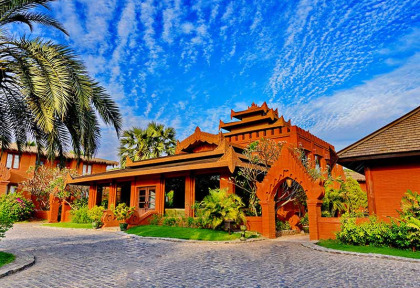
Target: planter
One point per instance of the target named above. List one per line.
(96, 225)
(123, 226)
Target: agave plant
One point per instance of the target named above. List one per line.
(46, 93)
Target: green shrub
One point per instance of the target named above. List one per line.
(80, 215)
(95, 213)
(304, 221)
(156, 219)
(5, 223)
(122, 212)
(218, 207)
(191, 222)
(17, 207)
(169, 221)
(280, 225)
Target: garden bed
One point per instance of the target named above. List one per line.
(6, 258)
(334, 244)
(185, 233)
(69, 225)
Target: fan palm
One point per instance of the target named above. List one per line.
(152, 142)
(46, 93)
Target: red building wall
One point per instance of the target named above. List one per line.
(389, 181)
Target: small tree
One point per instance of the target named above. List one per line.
(59, 188)
(260, 156)
(6, 222)
(38, 183)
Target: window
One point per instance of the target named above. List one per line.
(11, 189)
(87, 169)
(147, 199)
(13, 161)
(175, 192)
(203, 183)
(317, 163)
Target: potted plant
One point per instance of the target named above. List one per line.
(122, 212)
(304, 221)
(95, 214)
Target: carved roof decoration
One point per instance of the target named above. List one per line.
(4, 173)
(255, 115)
(198, 136)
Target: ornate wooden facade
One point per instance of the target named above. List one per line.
(215, 157)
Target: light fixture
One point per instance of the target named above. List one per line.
(289, 182)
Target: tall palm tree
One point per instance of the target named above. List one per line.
(46, 93)
(152, 142)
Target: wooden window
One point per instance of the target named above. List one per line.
(147, 198)
(13, 161)
(87, 169)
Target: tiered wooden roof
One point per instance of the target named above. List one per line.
(223, 155)
(254, 118)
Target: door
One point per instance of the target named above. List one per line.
(147, 199)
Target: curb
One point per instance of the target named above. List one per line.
(22, 261)
(190, 241)
(313, 246)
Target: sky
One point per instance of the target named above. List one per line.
(340, 69)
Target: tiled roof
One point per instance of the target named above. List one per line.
(400, 136)
(33, 149)
(356, 176)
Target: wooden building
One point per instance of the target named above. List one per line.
(390, 160)
(204, 160)
(15, 165)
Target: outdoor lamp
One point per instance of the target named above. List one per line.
(289, 182)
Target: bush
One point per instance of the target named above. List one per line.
(122, 212)
(96, 213)
(5, 223)
(16, 207)
(220, 206)
(169, 221)
(280, 225)
(155, 219)
(80, 215)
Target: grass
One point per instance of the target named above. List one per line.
(69, 225)
(184, 233)
(6, 258)
(334, 244)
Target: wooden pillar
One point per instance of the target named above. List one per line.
(189, 195)
(370, 191)
(92, 196)
(226, 183)
(268, 218)
(112, 200)
(54, 207)
(160, 196)
(3, 187)
(134, 202)
(314, 212)
(65, 217)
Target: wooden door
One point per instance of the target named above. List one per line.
(147, 199)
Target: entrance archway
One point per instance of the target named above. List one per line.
(289, 166)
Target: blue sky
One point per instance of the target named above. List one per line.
(341, 69)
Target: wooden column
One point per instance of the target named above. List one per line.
(225, 183)
(314, 212)
(160, 196)
(134, 202)
(92, 196)
(189, 195)
(370, 191)
(112, 200)
(3, 187)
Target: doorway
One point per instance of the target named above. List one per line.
(147, 199)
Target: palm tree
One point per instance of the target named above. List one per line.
(152, 142)
(46, 94)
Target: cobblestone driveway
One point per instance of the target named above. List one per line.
(87, 258)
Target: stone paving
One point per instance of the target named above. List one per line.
(88, 258)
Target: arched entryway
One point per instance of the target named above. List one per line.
(288, 166)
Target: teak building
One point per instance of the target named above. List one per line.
(204, 160)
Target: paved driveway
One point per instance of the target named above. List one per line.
(87, 258)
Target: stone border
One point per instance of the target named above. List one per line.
(22, 261)
(312, 245)
(190, 241)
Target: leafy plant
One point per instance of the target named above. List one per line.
(347, 198)
(6, 222)
(96, 213)
(169, 221)
(219, 206)
(16, 206)
(280, 225)
(122, 212)
(80, 215)
(156, 219)
(304, 221)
